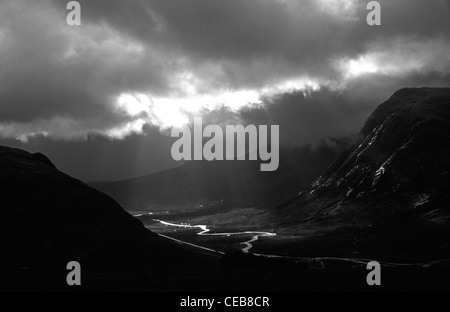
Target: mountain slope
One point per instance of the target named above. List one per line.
(48, 218)
(394, 179)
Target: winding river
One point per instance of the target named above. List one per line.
(203, 230)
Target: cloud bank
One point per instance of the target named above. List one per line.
(313, 66)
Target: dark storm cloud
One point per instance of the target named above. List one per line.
(270, 39)
(326, 114)
(309, 119)
(50, 70)
(165, 56)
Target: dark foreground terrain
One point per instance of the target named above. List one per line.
(49, 219)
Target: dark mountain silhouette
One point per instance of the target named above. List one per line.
(391, 185)
(225, 183)
(48, 218)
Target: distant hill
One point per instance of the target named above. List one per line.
(225, 183)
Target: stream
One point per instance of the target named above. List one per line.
(205, 231)
(247, 246)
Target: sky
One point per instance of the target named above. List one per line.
(101, 98)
